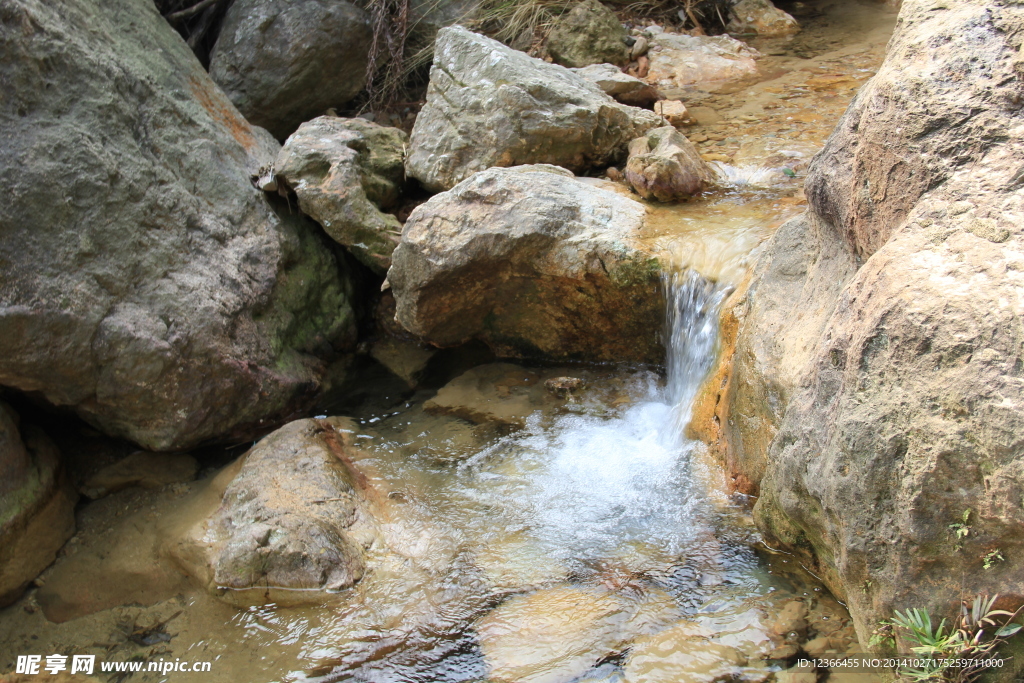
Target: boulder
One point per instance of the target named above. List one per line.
(679, 60)
(489, 105)
(621, 86)
(899, 410)
(345, 173)
(147, 284)
(675, 112)
(533, 262)
(664, 165)
(682, 653)
(293, 523)
(761, 17)
(285, 62)
(37, 506)
(589, 33)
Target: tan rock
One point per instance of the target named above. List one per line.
(674, 112)
(678, 60)
(500, 392)
(681, 653)
(763, 18)
(664, 165)
(142, 468)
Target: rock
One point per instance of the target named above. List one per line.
(37, 506)
(664, 165)
(45, 677)
(557, 634)
(293, 524)
(147, 284)
(345, 172)
(589, 33)
(674, 112)
(406, 359)
(639, 48)
(792, 619)
(282, 63)
(896, 405)
(500, 392)
(621, 86)
(805, 673)
(817, 647)
(489, 105)
(564, 387)
(534, 263)
(148, 470)
(678, 60)
(682, 653)
(761, 17)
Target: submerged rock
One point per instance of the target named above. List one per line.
(37, 506)
(293, 524)
(147, 284)
(621, 86)
(556, 634)
(876, 392)
(664, 165)
(345, 172)
(589, 33)
(678, 60)
(489, 105)
(499, 392)
(282, 62)
(763, 18)
(533, 262)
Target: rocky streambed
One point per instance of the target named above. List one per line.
(645, 395)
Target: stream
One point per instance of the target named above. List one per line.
(577, 539)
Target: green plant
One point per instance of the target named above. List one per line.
(958, 652)
(961, 529)
(993, 557)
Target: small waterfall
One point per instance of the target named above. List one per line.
(691, 333)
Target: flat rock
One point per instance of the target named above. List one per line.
(489, 105)
(148, 470)
(148, 285)
(664, 165)
(679, 60)
(621, 86)
(533, 262)
(499, 392)
(345, 173)
(282, 63)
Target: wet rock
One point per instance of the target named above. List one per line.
(678, 60)
(674, 112)
(36, 505)
(792, 619)
(516, 562)
(534, 263)
(346, 173)
(489, 105)
(282, 63)
(148, 470)
(45, 677)
(500, 392)
(681, 653)
(621, 86)
(664, 165)
(763, 18)
(293, 523)
(406, 359)
(817, 647)
(589, 33)
(564, 387)
(804, 673)
(897, 409)
(557, 634)
(147, 284)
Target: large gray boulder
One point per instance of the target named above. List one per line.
(294, 520)
(37, 506)
(146, 283)
(890, 315)
(282, 62)
(489, 105)
(534, 262)
(344, 173)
